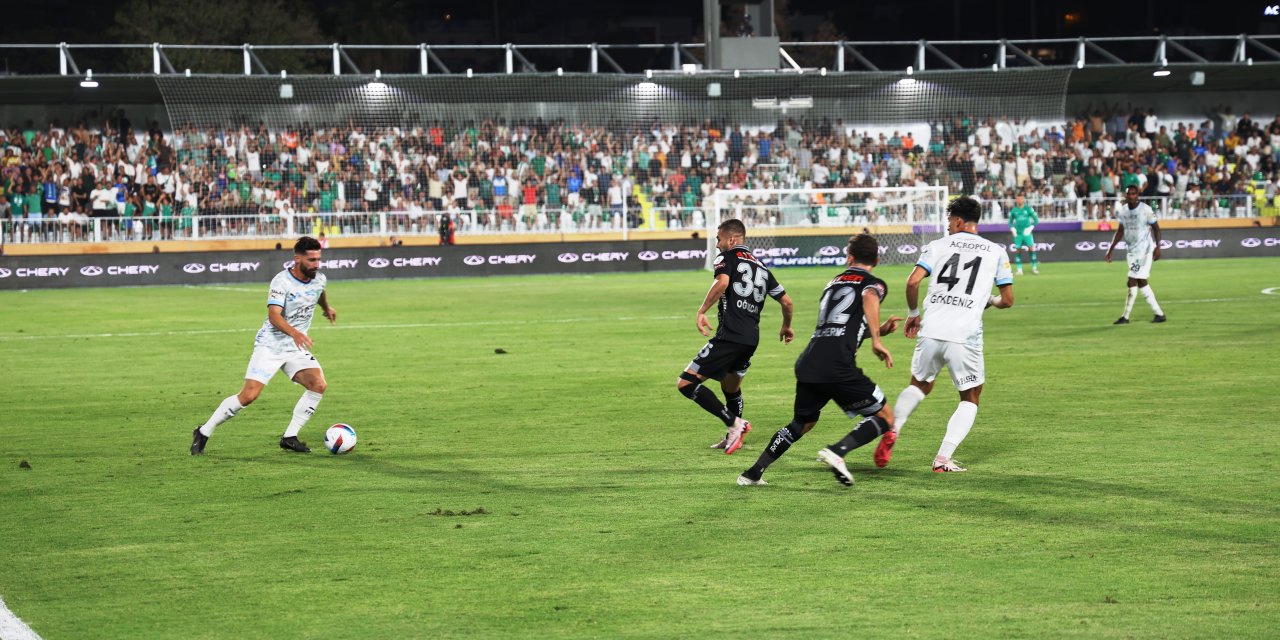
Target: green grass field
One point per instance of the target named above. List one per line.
(1123, 480)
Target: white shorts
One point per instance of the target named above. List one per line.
(963, 361)
(1140, 263)
(265, 363)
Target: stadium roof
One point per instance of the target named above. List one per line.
(337, 59)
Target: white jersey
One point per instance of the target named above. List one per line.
(1137, 222)
(962, 268)
(298, 301)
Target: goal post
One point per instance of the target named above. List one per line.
(800, 227)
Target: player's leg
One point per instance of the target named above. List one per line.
(715, 361)
(312, 379)
(968, 373)
(810, 399)
(1140, 279)
(1017, 253)
(926, 362)
(731, 385)
(1031, 247)
(1130, 296)
(689, 384)
(870, 404)
(262, 366)
(1139, 270)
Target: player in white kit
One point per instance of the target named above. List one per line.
(963, 267)
(283, 343)
(1142, 239)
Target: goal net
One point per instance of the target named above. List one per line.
(806, 227)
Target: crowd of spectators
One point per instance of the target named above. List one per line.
(498, 175)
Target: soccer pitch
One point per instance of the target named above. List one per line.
(1122, 479)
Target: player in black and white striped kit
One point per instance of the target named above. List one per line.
(739, 289)
(848, 314)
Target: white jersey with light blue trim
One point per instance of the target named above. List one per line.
(1137, 227)
(962, 269)
(298, 301)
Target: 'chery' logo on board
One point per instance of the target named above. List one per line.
(907, 249)
(473, 260)
(647, 256)
(379, 263)
(90, 270)
(417, 261)
(830, 251)
(567, 258)
(1085, 245)
(331, 264)
(193, 267)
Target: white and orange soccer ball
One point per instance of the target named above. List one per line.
(340, 438)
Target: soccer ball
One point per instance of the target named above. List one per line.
(340, 438)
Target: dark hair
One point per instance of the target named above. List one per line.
(1134, 187)
(305, 244)
(733, 228)
(864, 248)
(965, 208)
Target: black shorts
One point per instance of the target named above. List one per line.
(860, 397)
(720, 357)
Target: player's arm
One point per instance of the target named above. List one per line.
(912, 328)
(785, 334)
(329, 312)
(275, 314)
(718, 287)
(1114, 239)
(871, 308)
(1155, 233)
(1035, 220)
(1004, 300)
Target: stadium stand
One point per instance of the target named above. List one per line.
(499, 176)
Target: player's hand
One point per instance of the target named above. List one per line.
(331, 314)
(303, 341)
(1107, 257)
(882, 353)
(786, 335)
(1155, 255)
(912, 328)
(704, 325)
(890, 325)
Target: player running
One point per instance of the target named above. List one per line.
(1022, 221)
(1142, 239)
(283, 343)
(963, 266)
(849, 312)
(740, 286)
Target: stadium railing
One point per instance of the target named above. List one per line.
(585, 220)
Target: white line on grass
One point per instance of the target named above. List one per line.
(205, 287)
(13, 628)
(426, 325)
(1271, 291)
(408, 325)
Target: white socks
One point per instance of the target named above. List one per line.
(957, 428)
(225, 411)
(907, 401)
(1150, 297)
(302, 412)
(1128, 301)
